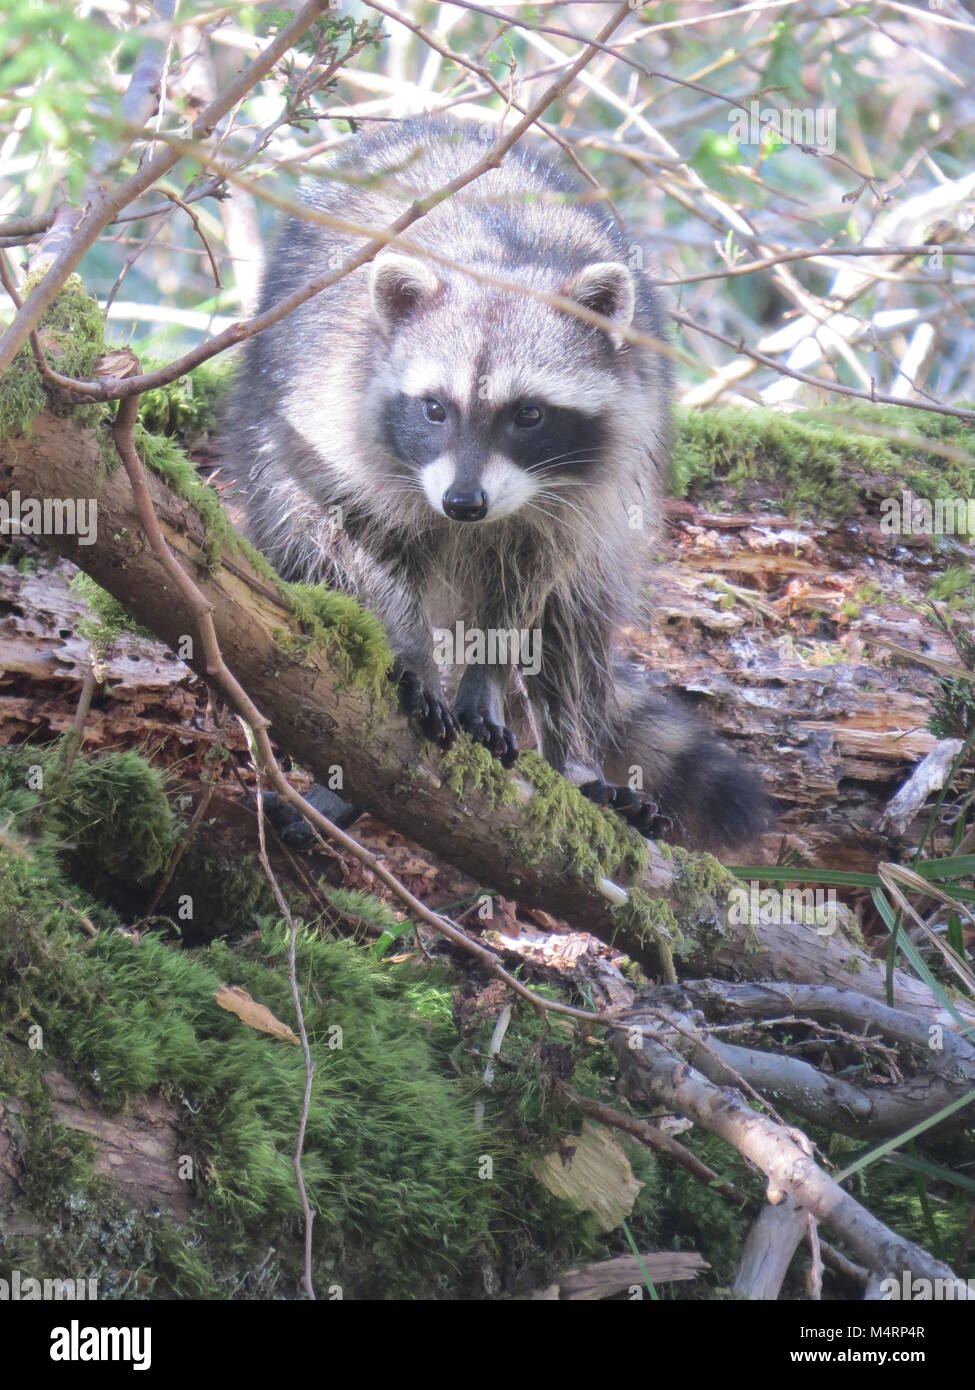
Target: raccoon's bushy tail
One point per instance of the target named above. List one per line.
(707, 797)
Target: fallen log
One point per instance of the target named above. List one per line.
(527, 834)
(653, 1073)
(861, 1108)
(138, 1151)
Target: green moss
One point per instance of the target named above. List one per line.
(824, 461)
(692, 923)
(560, 822)
(166, 459)
(651, 922)
(72, 334)
(107, 619)
(366, 910)
(702, 890)
(469, 768)
(392, 1149)
(351, 636)
(189, 408)
(115, 813)
(110, 814)
(700, 880)
(955, 588)
(591, 841)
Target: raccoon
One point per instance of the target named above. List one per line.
(453, 450)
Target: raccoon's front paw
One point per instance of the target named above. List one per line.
(496, 738)
(636, 808)
(428, 707)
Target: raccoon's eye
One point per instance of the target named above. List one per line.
(528, 416)
(434, 412)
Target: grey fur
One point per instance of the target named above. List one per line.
(329, 498)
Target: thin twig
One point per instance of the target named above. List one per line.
(876, 397)
(181, 848)
(76, 736)
(299, 1014)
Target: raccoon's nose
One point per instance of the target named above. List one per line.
(465, 503)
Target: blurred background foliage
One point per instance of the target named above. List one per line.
(654, 121)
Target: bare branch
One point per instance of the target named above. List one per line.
(654, 1072)
(105, 203)
(143, 94)
(876, 397)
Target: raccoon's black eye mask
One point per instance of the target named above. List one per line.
(532, 434)
(560, 439)
(524, 417)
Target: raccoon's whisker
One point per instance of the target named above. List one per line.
(556, 486)
(561, 521)
(564, 502)
(573, 456)
(555, 476)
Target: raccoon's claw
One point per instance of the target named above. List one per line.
(636, 809)
(496, 738)
(428, 707)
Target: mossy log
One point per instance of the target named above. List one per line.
(526, 834)
(137, 1150)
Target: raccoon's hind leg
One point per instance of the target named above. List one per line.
(707, 798)
(570, 693)
(479, 710)
(653, 763)
(639, 809)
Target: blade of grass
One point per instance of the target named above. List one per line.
(905, 945)
(889, 1145)
(639, 1259)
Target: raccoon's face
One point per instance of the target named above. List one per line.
(492, 403)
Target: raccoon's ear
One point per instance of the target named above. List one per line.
(397, 285)
(606, 288)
